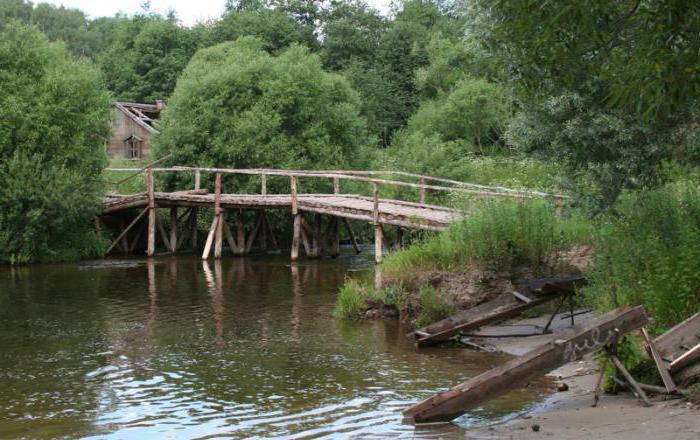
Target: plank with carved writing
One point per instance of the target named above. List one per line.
(569, 346)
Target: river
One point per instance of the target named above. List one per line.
(178, 348)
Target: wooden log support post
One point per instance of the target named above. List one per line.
(263, 184)
(240, 234)
(151, 246)
(336, 185)
(124, 232)
(296, 230)
(173, 229)
(335, 237)
(569, 347)
(193, 214)
(351, 234)
(218, 214)
(378, 235)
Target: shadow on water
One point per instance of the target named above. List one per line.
(242, 348)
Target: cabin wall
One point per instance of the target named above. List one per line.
(122, 128)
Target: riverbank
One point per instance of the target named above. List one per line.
(569, 414)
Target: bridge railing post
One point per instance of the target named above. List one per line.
(422, 190)
(263, 184)
(336, 185)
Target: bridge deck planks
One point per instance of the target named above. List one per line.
(392, 212)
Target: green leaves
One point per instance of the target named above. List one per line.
(54, 119)
(238, 106)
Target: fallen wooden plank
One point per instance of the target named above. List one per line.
(503, 307)
(660, 363)
(521, 297)
(685, 359)
(569, 346)
(679, 339)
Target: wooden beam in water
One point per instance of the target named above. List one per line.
(351, 234)
(151, 246)
(218, 214)
(570, 346)
(173, 229)
(296, 236)
(123, 233)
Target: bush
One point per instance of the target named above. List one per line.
(432, 307)
(54, 117)
(649, 253)
(237, 106)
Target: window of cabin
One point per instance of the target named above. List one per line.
(133, 147)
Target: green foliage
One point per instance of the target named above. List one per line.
(146, 56)
(474, 112)
(432, 307)
(54, 118)
(607, 150)
(350, 303)
(648, 253)
(274, 27)
(498, 236)
(644, 54)
(240, 107)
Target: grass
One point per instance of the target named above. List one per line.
(350, 303)
(648, 252)
(133, 185)
(498, 236)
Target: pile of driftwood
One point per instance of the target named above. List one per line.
(676, 353)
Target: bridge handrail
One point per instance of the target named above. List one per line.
(359, 175)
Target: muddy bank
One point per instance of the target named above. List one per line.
(461, 290)
(569, 414)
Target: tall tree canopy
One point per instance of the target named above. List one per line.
(54, 118)
(241, 107)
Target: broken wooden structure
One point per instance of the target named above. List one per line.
(505, 306)
(678, 352)
(569, 346)
(309, 231)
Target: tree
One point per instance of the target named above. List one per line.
(274, 27)
(237, 106)
(146, 56)
(54, 117)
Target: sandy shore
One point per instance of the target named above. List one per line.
(569, 414)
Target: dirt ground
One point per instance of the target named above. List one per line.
(570, 415)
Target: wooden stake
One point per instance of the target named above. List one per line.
(422, 190)
(253, 233)
(296, 233)
(335, 237)
(240, 234)
(229, 237)
(378, 243)
(218, 213)
(351, 234)
(119, 237)
(210, 238)
(293, 192)
(660, 364)
(173, 229)
(151, 248)
(193, 214)
(630, 380)
(263, 184)
(163, 235)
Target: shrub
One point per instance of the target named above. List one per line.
(54, 118)
(648, 253)
(432, 307)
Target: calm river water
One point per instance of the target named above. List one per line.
(241, 348)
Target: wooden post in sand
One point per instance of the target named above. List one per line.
(151, 248)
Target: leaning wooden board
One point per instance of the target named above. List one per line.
(569, 346)
(503, 307)
(680, 343)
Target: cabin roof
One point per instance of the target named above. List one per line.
(141, 114)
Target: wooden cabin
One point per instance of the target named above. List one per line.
(133, 129)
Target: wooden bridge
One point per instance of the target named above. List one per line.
(316, 239)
